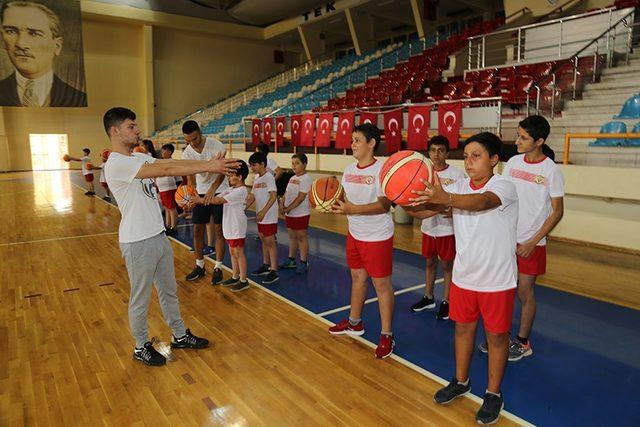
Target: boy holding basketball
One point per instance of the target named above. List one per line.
(295, 208)
(370, 239)
(485, 214)
(264, 193)
(167, 187)
(144, 245)
(86, 172)
(438, 241)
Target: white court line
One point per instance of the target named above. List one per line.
(370, 300)
(58, 238)
(369, 344)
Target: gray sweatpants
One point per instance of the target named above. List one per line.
(150, 261)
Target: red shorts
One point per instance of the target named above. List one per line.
(88, 177)
(236, 243)
(535, 264)
(444, 247)
(268, 229)
(297, 222)
(168, 199)
(496, 308)
(104, 185)
(375, 257)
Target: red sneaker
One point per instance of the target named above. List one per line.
(344, 327)
(385, 347)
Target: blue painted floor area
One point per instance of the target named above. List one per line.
(586, 361)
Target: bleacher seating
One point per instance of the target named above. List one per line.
(630, 109)
(611, 127)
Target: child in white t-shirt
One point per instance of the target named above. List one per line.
(86, 172)
(103, 179)
(485, 215)
(167, 187)
(295, 207)
(265, 194)
(234, 225)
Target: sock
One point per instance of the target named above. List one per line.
(429, 296)
(200, 263)
(243, 281)
(218, 265)
(523, 341)
(445, 301)
(387, 333)
(292, 259)
(354, 322)
(495, 394)
(465, 383)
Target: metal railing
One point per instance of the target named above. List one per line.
(569, 136)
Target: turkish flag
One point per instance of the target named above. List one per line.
(325, 125)
(255, 131)
(368, 118)
(393, 130)
(450, 122)
(267, 126)
(296, 124)
(280, 124)
(345, 129)
(418, 128)
(306, 130)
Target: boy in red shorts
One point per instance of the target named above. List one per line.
(264, 193)
(167, 187)
(86, 172)
(485, 215)
(370, 238)
(438, 241)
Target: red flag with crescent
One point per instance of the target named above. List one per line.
(345, 129)
(323, 133)
(267, 127)
(368, 118)
(255, 131)
(450, 122)
(280, 125)
(306, 130)
(418, 128)
(393, 130)
(296, 124)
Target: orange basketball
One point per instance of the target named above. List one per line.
(401, 174)
(324, 193)
(184, 195)
(66, 158)
(105, 154)
(89, 166)
(139, 149)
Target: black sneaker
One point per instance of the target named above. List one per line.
(149, 355)
(451, 392)
(240, 286)
(424, 304)
(263, 270)
(106, 199)
(217, 276)
(289, 264)
(230, 281)
(443, 312)
(188, 340)
(170, 231)
(196, 273)
(271, 277)
(490, 410)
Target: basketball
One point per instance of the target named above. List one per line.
(89, 166)
(105, 154)
(66, 158)
(401, 174)
(139, 149)
(324, 193)
(184, 194)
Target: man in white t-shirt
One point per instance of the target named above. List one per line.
(208, 185)
(369, 247)
(145, 247)
(438, 241)
(540, 188)
(485, 215)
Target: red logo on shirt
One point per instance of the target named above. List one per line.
(260, 185)
(294, 181)
(528, 176)
(359, 179)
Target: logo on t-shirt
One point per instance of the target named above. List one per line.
(446, 181)
(148, 188)
(260, 185)
(528, 176)
(359, 179)
(294, 181)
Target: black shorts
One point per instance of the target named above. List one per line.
(202, 213)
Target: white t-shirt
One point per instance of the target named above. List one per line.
(204, 180)
(536, 183)
(166, 183)
(234, 220)
(262, 186)
(83, 164)
(439, 225)
(486, 240)
(298, 184)
(103, 178)
(361, 187)
(137, 200)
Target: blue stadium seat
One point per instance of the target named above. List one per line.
(634, 142)
(630, 109)
(611, 127)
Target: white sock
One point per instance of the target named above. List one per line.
(219, 265)
(490, 392)
(200, 263)
(464, 383)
